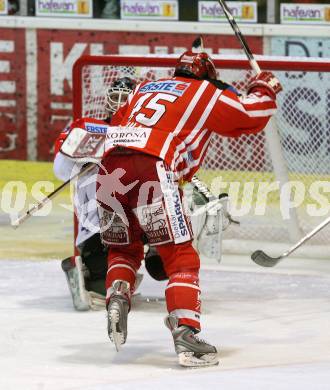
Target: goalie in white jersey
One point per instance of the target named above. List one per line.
(162, 139)
(86, 273)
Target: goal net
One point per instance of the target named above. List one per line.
(278, 180)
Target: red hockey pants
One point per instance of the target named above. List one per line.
(132, 203)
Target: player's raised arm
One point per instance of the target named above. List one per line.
(234, 114)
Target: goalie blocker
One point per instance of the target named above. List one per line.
(83, 141)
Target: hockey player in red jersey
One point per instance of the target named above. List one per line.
(163, 137)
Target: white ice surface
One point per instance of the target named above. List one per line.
(270, 326)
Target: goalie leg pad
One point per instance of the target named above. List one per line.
(82, 299)
(76, 282)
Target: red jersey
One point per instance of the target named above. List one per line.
(174, 119)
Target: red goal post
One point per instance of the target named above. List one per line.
(295, 146)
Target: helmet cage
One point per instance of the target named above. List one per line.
(115, 98)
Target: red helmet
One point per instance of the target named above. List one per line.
(196, 65)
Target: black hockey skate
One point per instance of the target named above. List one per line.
(191, 351)
(118, 309)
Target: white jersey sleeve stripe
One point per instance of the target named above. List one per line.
(196, 162)
(197, 143)
(261, 113)
(253, 99)
(239, 107)
(183, 119)
(188, 285)
(122, 266)
(202, 119)
(197, 128)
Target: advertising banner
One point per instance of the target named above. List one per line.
(65, 8)
(306, 96)
(300, 46)
(243, 11)
(305, 13)
(3, 7)
(151, 10)
(13, 131)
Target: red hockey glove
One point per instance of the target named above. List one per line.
(266, 80)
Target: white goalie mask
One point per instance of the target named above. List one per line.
(118, 93)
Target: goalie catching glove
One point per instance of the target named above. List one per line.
(266, 80)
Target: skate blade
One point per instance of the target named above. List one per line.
(188, 359)
(116, 337)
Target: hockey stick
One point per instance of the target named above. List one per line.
(234, 26)
(15, 224)
(261, 258)
(202, 189)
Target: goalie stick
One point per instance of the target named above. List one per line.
(261, 258)
(16, 223)
(240, 37)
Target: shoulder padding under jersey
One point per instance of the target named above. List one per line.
(223, 86)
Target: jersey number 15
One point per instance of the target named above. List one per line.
(154, 105)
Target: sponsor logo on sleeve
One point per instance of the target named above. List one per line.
(177, 88)
(96, 128)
